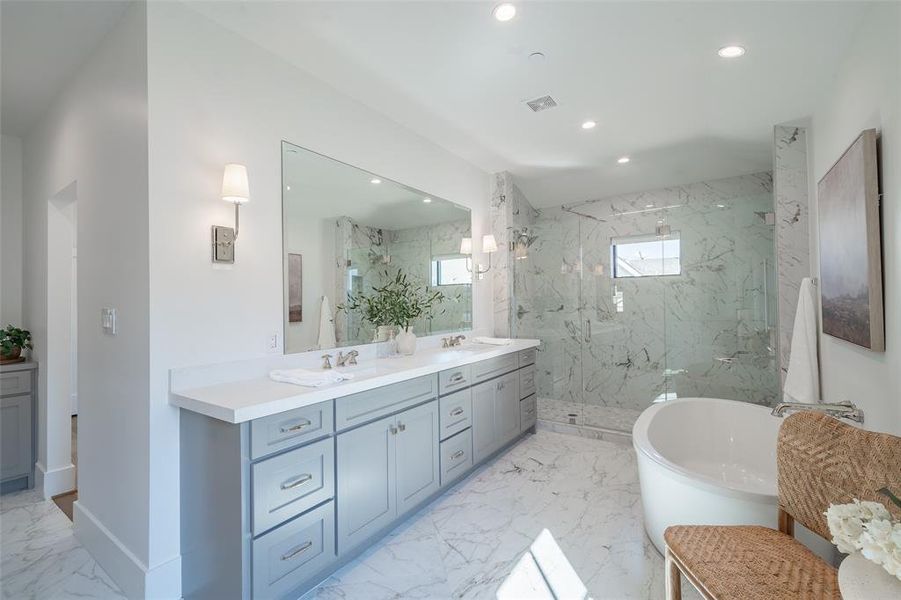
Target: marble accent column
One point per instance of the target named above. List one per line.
(792, 228)
(510, 212)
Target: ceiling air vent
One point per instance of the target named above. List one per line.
(543, 103)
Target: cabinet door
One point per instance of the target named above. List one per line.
(418, 474)
(483, 428)
(366, 482)
(506, 408)
(15, 441)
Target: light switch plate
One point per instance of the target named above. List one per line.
(108, 320)
(223, 244)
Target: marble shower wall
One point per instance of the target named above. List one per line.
(792, 228)
(368, 255)
(610, 347)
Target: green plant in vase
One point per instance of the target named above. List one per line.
(12, 341)
(400, 302)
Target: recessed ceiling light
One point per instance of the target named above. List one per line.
(504, 12)
(589, 125)
(375, 180)
(427, 200)
(730, 51)
(649, 206)
(288, 187)
(623, 160)
(721, 206)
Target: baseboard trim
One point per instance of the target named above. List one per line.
(55, 481)
(119, 562)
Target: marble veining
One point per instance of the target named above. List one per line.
(584, 491)
(40, 557)
(792, 228)
(610, 347)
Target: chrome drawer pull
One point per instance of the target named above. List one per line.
(401, 427)
(392, 429)
(457, 411)
(299, 480)
(458, 377)
(457, 454)
(303, 423)
(500, 385)
(295, 551)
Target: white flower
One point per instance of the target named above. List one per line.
(872, 510)
(868, 527)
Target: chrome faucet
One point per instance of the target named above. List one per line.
(347, 359)
(451, 341)
(326, 361)
(841, 410)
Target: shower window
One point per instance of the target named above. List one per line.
(450, 270)
(646, 255)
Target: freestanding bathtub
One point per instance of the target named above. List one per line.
(706, 461)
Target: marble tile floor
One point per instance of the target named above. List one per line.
(463, 545)
(584, 491)
(40, 557)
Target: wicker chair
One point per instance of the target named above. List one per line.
(820, 461)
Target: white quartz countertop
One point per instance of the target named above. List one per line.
(255, 397)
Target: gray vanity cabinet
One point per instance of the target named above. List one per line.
(384, 469)
(18, 412)
(495, 414)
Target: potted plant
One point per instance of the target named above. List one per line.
(399, 302)
(12, 341)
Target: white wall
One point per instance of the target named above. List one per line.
(11, 231)
(866, 93)
(94, 137)
(216, 98)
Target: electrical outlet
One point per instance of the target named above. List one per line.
(108, 321)
(273, 343)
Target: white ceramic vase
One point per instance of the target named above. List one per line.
(406, 342)
(382, 333)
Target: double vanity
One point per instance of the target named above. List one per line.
(281, 485)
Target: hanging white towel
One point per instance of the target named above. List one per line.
(326, 326)
(308, 378)
(802, 382)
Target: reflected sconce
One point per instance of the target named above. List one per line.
(520, 244)
(235, 189)
(489, 245)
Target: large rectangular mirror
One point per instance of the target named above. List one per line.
(348, 233)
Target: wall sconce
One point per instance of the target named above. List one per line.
(235, 189)
(489, 245)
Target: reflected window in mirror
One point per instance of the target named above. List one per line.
(355, 236)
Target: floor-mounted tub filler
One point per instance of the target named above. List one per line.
(708, 461)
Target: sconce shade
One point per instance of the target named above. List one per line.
(466, 246)
(235, 187)
(489, 244)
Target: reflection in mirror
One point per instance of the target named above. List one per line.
(348, 232)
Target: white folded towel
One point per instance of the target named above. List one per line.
(802, 382)
(326, 326)
(493, 341)
(308, 378)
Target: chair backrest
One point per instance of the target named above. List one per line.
(822, 461)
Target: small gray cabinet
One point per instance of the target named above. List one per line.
(17, 426)
(495, 414)
(384, 469)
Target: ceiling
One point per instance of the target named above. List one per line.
(317, 187)
(647, 72)
(42, 45)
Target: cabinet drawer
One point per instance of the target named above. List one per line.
(17, 382)
(493, 367)
(361, 408)
(290, 428)
(453, 380)
(290, 555)
(291, 483)
(456, 456)
(528, 412)
(455, 413)
(527, 381)
(527, 357)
